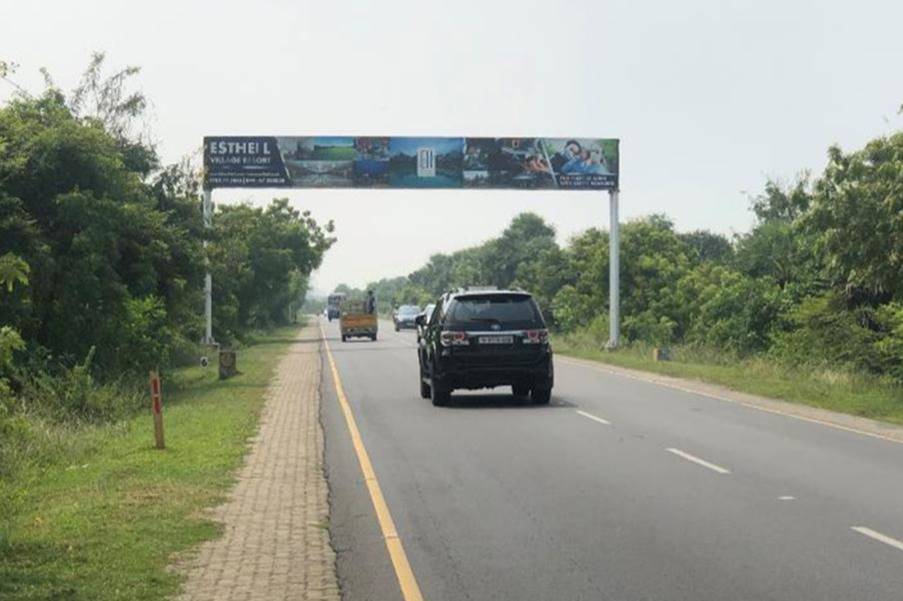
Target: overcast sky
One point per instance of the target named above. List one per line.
(709, 98)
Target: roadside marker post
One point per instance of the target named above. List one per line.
(157, 408)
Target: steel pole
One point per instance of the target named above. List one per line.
(614, 269)
(208, 279)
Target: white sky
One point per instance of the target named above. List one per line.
(709, 98)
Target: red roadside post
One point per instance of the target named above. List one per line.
(157, 408)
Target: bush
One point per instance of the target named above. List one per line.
(726, 309)
(66, 394)
(571, 309)
(823, 331)
(148, 340)
(593, 336)
(889, 346)
(649, 328)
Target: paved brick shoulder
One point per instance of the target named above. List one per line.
(276, 542)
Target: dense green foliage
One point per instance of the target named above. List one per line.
(102, 259)
(261, 261)
(818, 280)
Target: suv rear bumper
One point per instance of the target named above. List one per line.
(453, 374)
(359, 331)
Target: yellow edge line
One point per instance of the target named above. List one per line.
(406, 580)
(652, 380)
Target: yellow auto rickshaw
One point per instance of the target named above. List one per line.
(357, 320)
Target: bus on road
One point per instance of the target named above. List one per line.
(333, 303)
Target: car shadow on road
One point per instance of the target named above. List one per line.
(503, 401)
(346, 347)
(270, 341)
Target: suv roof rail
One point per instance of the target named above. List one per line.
(461, 289)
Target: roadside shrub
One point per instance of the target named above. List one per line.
(649, 328)
(10, 342)
(889, 345)
(571, 309)
(147, 341)
(593, 336)
(726, 309)
(823, 331)
(72, 393)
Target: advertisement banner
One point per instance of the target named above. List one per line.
(410, 162)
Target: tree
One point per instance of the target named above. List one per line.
(724, 309)
(783, 203)
(108, 101)
(855, 219)
(253, 256)
(779, 247)
(13, 270)
(707, 246)
(522, 241)
(653, 259)
(544, 276)
(87, 224)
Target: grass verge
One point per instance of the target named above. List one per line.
(104, 522)
(837, 390)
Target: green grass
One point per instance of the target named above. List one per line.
(837, 390)
(104, 522)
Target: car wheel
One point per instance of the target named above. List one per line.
(541, 396)
(373, 337)
(344, 338)
(440, 395)
(425, 391)
(520, 390)
(396, 327)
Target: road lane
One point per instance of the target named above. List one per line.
(495, 499)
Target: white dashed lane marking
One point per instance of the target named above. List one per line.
(879, 537)
(698, 461)
(595, 418)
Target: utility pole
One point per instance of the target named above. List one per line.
(614, 275)
(208, 279)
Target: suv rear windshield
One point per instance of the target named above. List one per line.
(408, 310)
(507, 310)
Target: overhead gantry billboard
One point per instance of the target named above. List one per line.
(410, 162)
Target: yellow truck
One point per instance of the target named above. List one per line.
(356, 321)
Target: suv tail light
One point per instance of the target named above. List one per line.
(451, 338)
(536, 336)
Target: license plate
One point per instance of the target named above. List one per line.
(496, 339)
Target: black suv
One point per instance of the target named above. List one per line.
(483, 339)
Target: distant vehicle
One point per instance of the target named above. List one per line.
(404, 316)
(484, 339)
(356, 321)
(333, 304)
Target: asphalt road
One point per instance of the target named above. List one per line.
(619, 489)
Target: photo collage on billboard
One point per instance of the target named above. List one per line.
(412, 162)
(371, 162)
(506, 163)
(582, 163)
(425, 162)
(319, 162)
